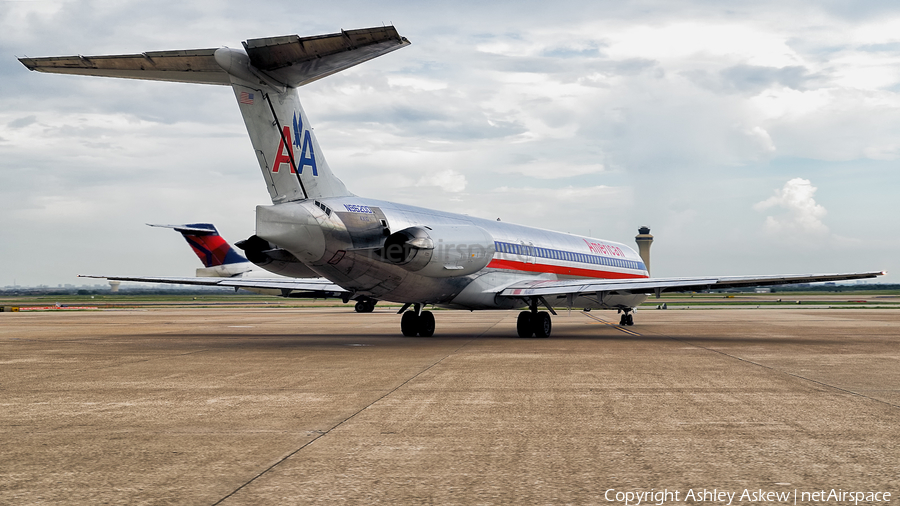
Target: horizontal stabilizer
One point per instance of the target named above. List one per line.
(284, 284)
(295, 61)
(290, 61)
(195, 229)
(191, 66)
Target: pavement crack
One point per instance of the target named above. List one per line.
(798, 376)
(620, 328)
(321, 434)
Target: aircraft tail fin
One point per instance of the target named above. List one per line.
(207, 244)
(265, 76)
(286, 148)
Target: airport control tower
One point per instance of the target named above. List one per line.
(644, 240)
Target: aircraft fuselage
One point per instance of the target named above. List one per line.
(457, 260)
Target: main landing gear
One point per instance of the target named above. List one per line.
(532, 323)
(416, 322)
(626, 319)
(365, 305)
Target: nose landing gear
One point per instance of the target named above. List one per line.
(365, 305)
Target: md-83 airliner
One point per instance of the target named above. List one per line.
(383, 250)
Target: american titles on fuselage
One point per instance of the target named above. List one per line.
(604, 249)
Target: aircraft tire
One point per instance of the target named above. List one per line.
(365, 305)
(426, 324)
(523, 325)
(542, 324)
(409, 324)
(623, 320)
(630, 320)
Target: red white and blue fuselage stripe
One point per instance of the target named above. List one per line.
(536, 259)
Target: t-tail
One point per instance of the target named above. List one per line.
(289, 155)
(265, 75)
(219, 258)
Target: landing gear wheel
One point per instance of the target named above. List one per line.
(413, 325)
(629, 319)
(409, 324)
(523, 325)
(426, 324)
(542, 324)
(365, 305)
(623, 320)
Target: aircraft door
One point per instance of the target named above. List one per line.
(526, 252)
(382, 220)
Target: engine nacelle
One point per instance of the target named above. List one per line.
(440, 251)
(273, 259)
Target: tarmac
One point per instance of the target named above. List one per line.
(323, 405)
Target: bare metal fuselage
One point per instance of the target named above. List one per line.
(341, 238)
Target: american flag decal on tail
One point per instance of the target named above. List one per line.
(246, 98)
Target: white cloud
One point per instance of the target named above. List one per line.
(683, 42)
(568, 209)
(449, 180)
(801, 216)
(416, 83)
(762, 138)
(544, 169)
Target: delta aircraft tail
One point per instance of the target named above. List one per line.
(219, 258)
(264, 75)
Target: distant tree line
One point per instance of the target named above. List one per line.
(124, 291)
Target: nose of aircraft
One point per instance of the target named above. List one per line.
(293, 227)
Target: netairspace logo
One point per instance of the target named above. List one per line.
(745, 496)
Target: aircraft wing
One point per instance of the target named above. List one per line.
(286, 285)
(290, 60)
(659, 285)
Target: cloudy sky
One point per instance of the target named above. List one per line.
(753, 138)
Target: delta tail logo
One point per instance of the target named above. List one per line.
(286, 153)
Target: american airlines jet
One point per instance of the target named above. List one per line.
(385, 250)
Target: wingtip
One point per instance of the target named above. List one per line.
(28, 62)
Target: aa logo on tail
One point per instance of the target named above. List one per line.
(285, 153)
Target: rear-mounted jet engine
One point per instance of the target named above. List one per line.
(440, 251)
